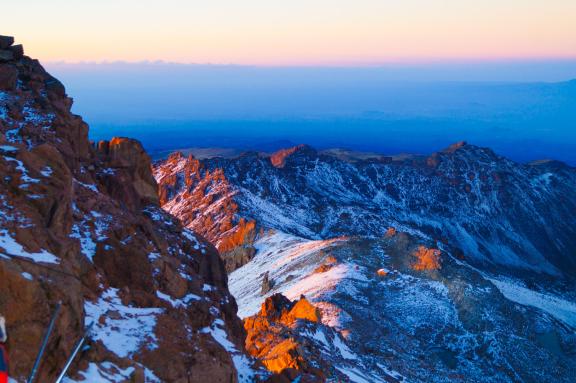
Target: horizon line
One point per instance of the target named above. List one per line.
(351, 65)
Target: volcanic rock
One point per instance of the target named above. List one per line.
(6, 41)
(267, 284)
(274, 337)
(203, 200)
(17, 51)
(81, 225)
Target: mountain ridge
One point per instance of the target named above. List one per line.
(455, 266)
(81, 226)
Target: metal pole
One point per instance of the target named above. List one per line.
(76, 349)
(44, 343)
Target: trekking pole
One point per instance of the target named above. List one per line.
(44, 343)
(76, 349)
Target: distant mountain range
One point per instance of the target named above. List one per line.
(458, 266)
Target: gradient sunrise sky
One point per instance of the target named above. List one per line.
(293, 32)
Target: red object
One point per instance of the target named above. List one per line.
(3, 364)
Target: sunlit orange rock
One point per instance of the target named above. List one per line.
(382, 272)
(303, 309)
(282, 356)
(278, 159)
(390, 232)
(329, 263)
(203, 200)
(426, 259)
(272, 335)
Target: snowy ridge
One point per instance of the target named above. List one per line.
(290, 262)
(559, 308)
(389, 322)
(495, 211)
(345, 235)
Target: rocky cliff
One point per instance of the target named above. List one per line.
(203, 200)
(80, 224)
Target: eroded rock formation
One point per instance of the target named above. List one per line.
(202, 199)
(274, 337)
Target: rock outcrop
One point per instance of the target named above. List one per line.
(275, 337)
(278, 158)
(81, 225)
(203, 200)
(426, 259)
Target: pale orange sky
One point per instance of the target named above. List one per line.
(296, 32)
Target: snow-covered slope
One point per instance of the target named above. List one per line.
(450, 324)
(493, 210)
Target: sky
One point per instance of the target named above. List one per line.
(383, 75)
(295, 32)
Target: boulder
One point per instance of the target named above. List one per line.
(6, 41)
(132, 182)
(382, 272)
(18, 51)
(267, 284)
(426, 259)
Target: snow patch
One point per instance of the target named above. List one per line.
(182, 302)
(47, 171)
(87, 186)
(11, 247)
(104, 372)
(125, 328)
(8, 148)
(560, 309)
(242, 363)
(27, 276)
(26, 179)
(290, 262)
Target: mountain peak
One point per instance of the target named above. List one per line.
(455, 146)
(8, 51)
(278, 159)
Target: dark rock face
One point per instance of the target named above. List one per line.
(81, 225)
(6, 42)
(129, 172)
(8, 77)
(266, 283)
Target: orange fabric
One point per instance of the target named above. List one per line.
(3, 364)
